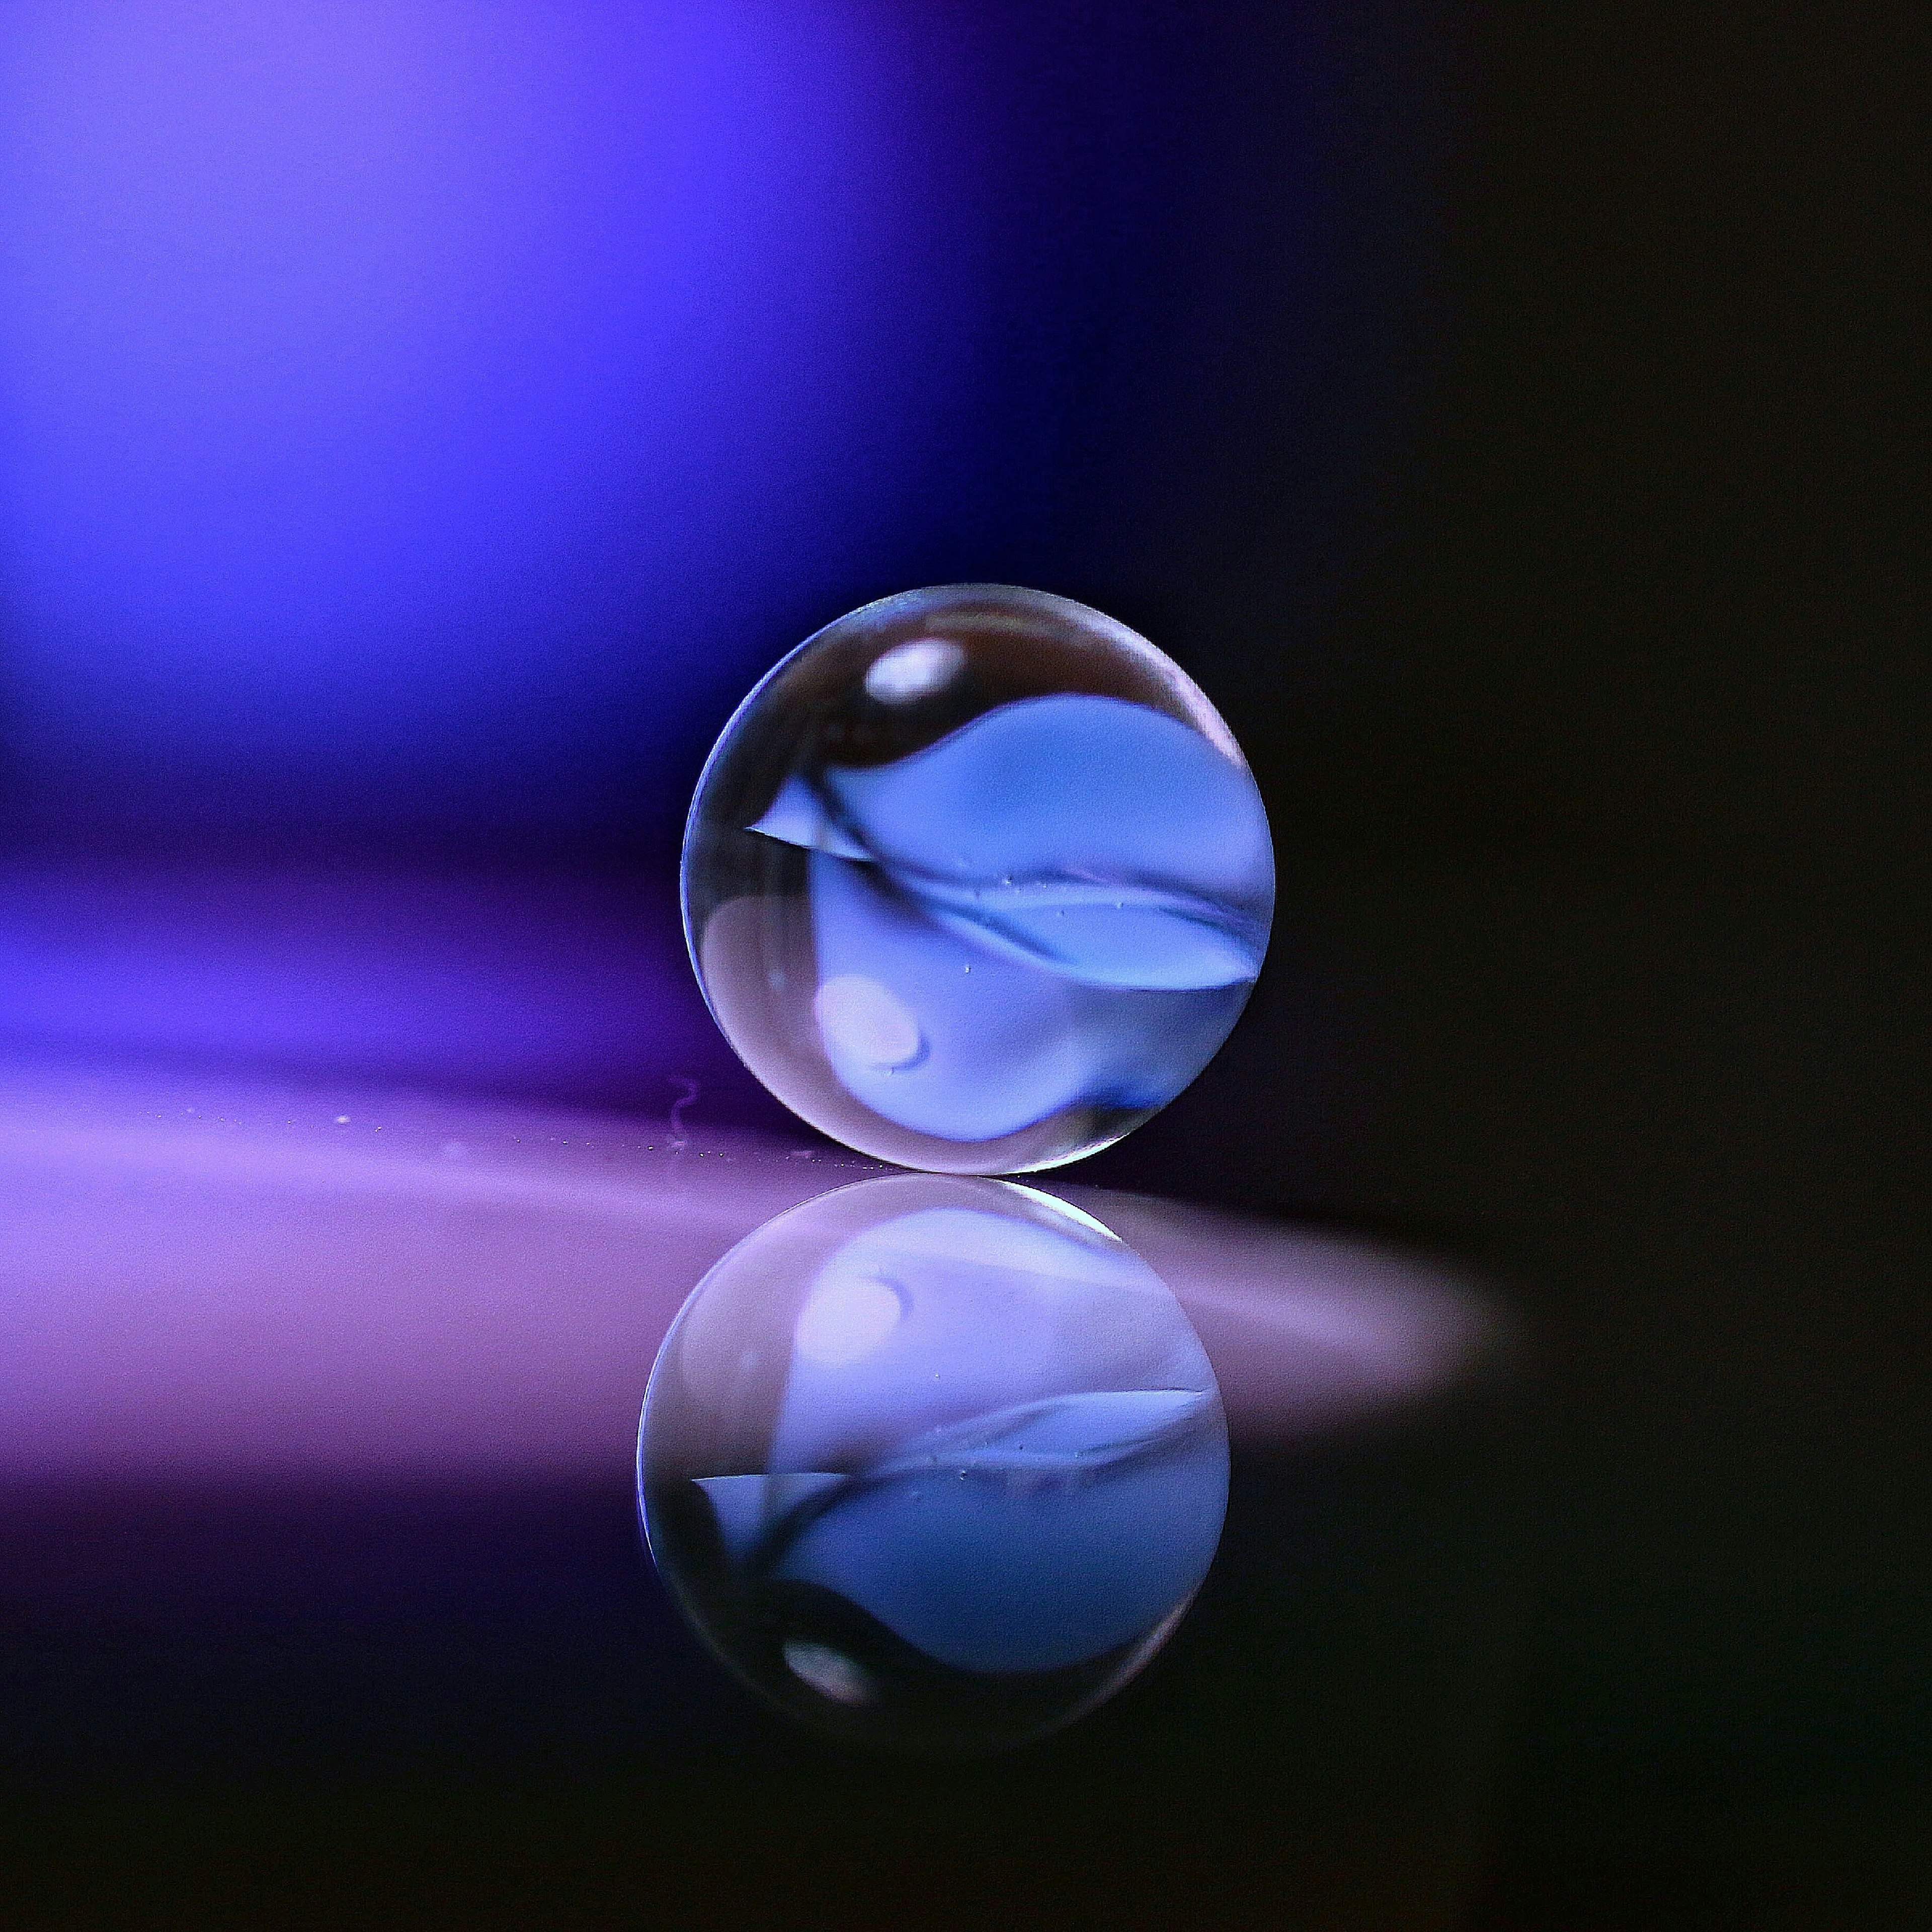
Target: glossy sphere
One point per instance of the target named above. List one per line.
(933, 1464)
(976, 879)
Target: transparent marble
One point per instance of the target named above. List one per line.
(934, 1465)
(976, 879)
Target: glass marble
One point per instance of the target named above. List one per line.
(933, 1464)
(976, 879)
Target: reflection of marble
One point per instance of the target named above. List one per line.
(934, 1463)
(316, 1459)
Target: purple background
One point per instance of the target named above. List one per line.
(418, 429)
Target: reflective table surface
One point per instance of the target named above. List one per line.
(1022, 1553)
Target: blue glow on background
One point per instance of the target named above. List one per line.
(431, 419)
(386, 390)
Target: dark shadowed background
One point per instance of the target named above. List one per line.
(417, 431)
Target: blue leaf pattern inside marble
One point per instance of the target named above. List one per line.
(1063, 901)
